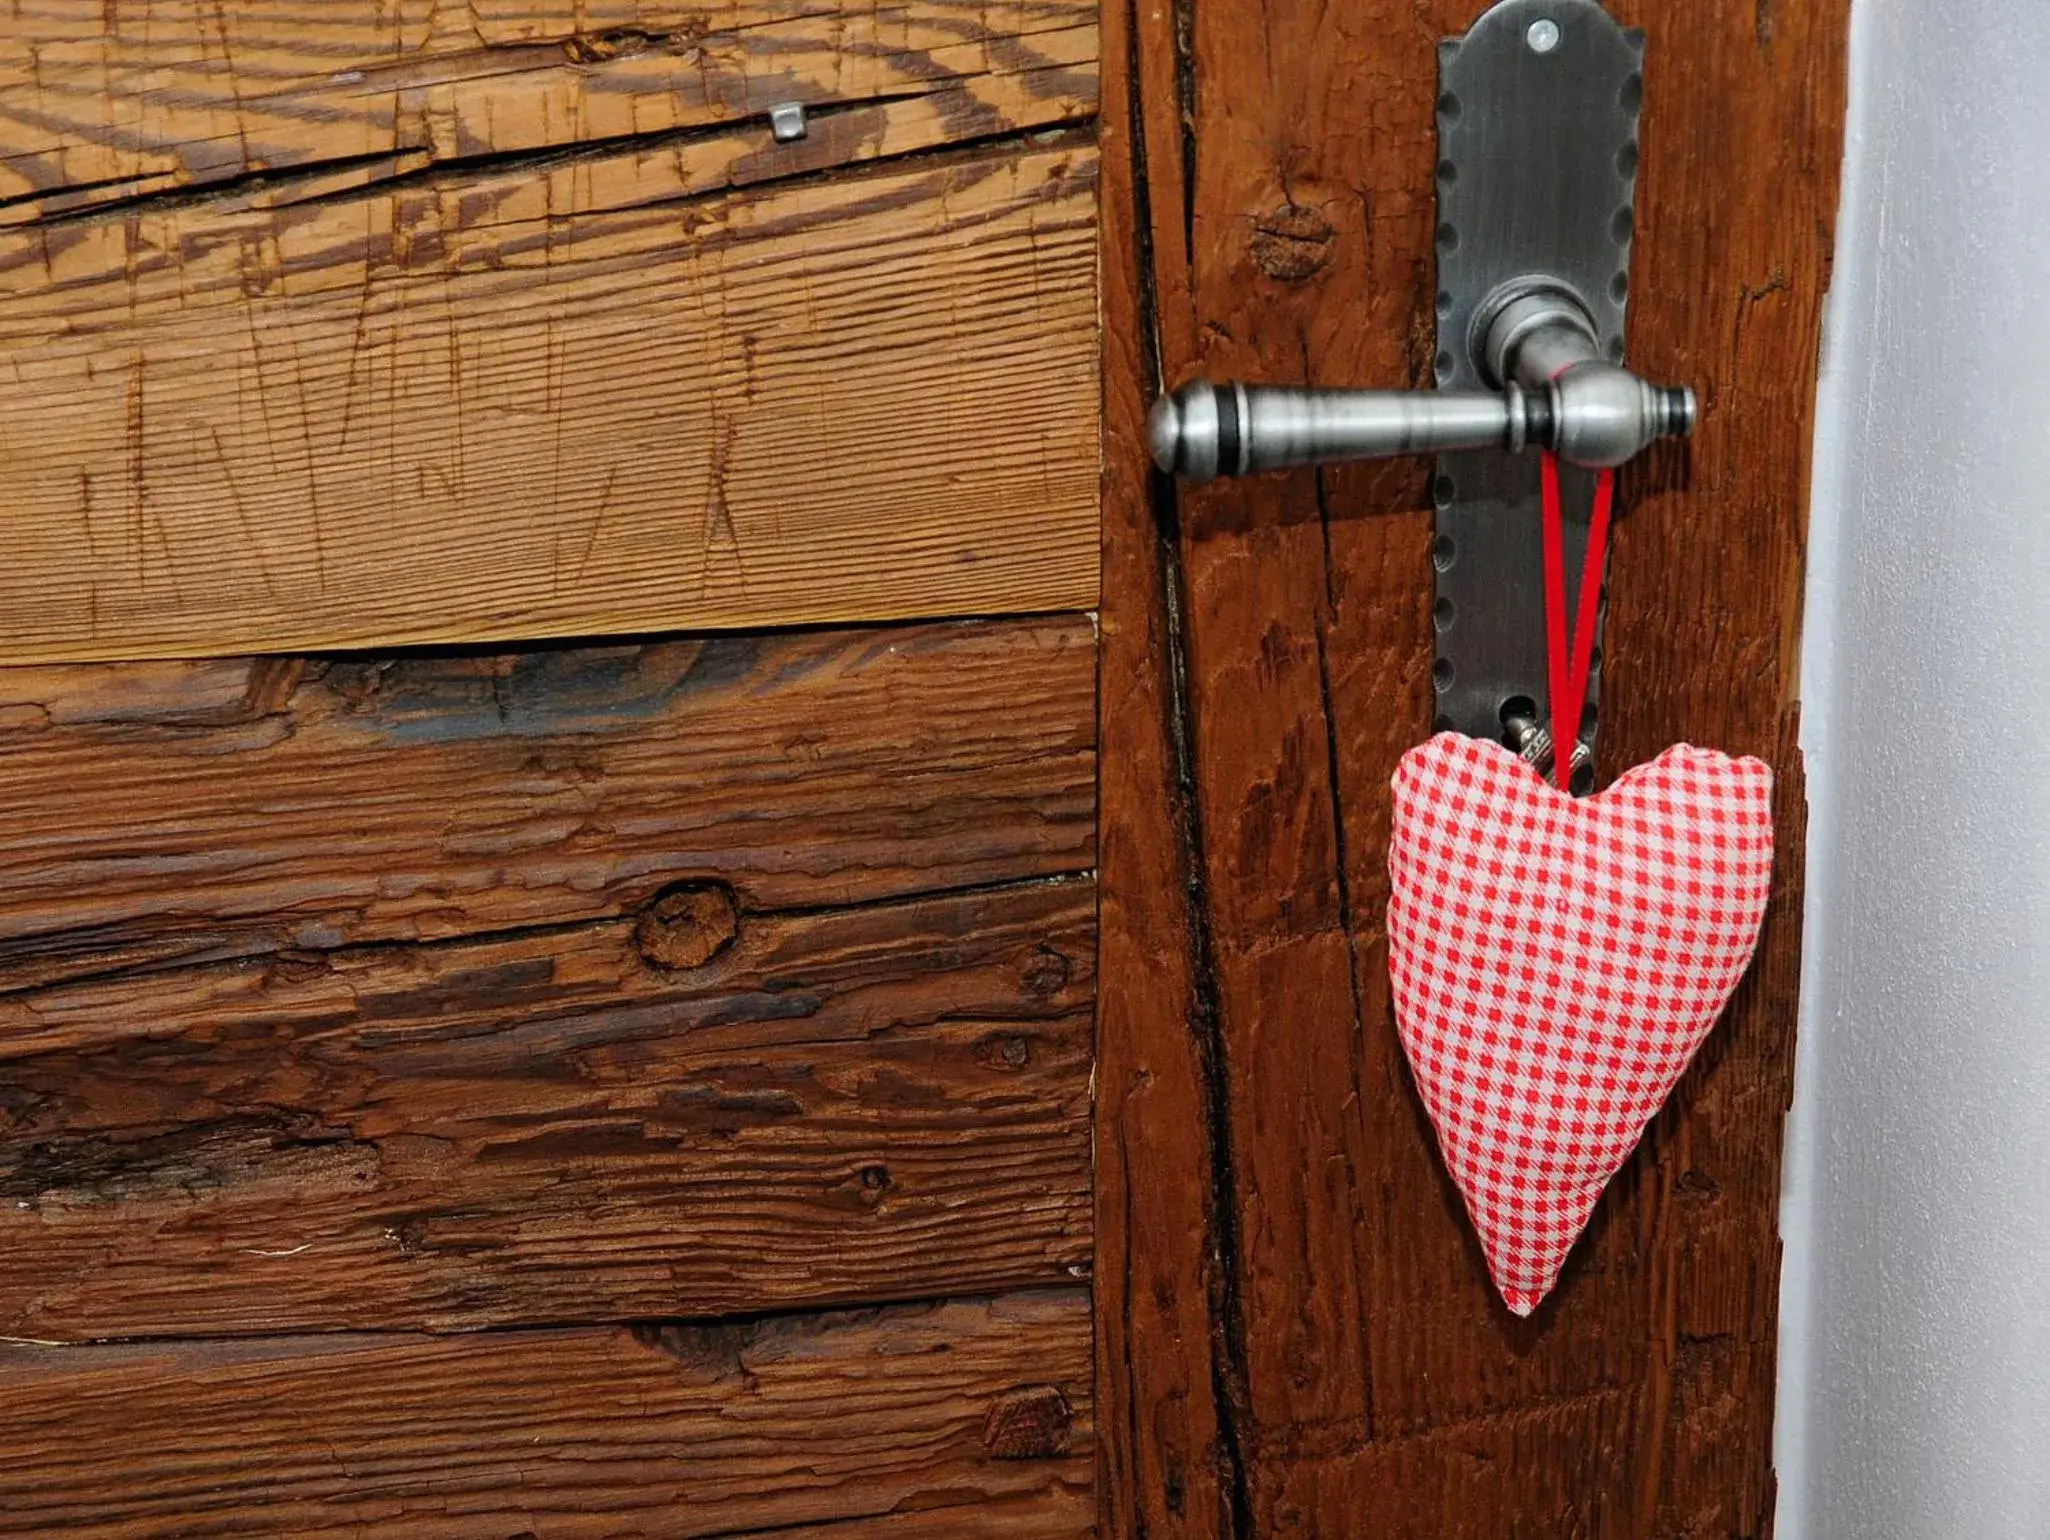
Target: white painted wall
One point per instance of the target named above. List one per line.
(1915, 1345)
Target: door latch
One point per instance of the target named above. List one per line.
(1538, 109)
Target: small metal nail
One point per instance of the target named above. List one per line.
(1543, 35)
(786, 121)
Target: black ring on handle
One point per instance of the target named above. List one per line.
(1228, 437)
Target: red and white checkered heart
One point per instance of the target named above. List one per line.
(1556, 963)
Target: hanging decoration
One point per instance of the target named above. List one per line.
(1557, 961)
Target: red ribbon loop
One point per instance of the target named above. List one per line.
(1569, 669)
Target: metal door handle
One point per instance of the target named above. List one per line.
(1537, 219)
(1535, 341)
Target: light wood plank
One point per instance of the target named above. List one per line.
(886, 1102)
(443, 413)
(103, 102)
(961, 1419)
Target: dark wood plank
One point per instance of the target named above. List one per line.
(197, 811)
(1548, 1470)
(879, 1103)
(962, 1418)
(1168, 1468)
(1282, 275)
(1289, 172)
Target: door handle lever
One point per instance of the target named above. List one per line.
(1536, 221)
(1555, 392)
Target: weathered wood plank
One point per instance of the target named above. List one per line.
(104, 103)
(1268, 276)
(153, 812)
(448, 413)
(969, 1417)
(880, 1103)
(1547, 1470)
(1169, 1468)
(1384, 1386)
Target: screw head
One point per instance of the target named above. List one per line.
(1543, 35)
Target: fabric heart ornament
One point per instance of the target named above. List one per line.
(1556, 963)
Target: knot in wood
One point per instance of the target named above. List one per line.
(1030, 1423)
(1004, 1051)
(599, 47)
(1046, 973)
(1291, 243)
(687, 926)
(1697, 1187)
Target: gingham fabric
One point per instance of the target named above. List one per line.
(1556, 963)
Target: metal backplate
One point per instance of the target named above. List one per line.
(1537, 163)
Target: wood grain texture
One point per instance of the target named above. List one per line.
(1287, 170)
(104, 105)
(845, 1105)
(193, 812)
(516, 995)
(1543, 1471)
(445, 413)
(963, 1418)
(1162, 1368)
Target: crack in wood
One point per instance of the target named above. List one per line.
(1227, 1318)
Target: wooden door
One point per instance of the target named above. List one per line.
(609, 926)
(1304, 1341)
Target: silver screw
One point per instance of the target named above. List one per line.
(1543, 35)
(1533, 741)
(786, 122)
